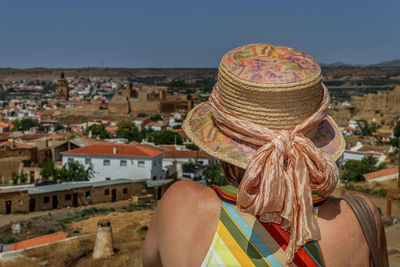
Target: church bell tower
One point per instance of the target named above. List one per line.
(62, 88)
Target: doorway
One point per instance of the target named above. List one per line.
(32, 204)
(113, 195)
(8, 206)
(55, 202)
(32, 177)
(75, 200)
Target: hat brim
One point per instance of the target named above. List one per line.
(200, 128)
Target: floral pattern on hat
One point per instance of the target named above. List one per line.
(265, 63)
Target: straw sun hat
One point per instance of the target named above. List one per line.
(273, 86)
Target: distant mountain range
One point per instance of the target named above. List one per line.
(392, 63)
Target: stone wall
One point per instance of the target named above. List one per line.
(7, 167)
(119, 105)
(40, 203)
(19, 201)
(384, 107)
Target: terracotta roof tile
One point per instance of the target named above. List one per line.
(44, 239)
(170, 152)
(19, 145)
(384, 172)
(122, 150)
(4, 136)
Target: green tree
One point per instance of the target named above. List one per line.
(192, 147)
(74, 171)
(190, 166)
(165, 138)
(145, 133)
(214, 174)
(14, 177)
(17, 125)
(23, 177)
(364, 127)
(128, 130)
(28, 123)
(394, 142)
(142, 115)
(58, 127)
(24, 124)
(98, 130)
(355, 169)
(48, 170)
(156, 117)
(396, 131)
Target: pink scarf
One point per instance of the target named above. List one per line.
(279, 180)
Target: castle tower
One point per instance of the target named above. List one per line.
(129, 92)
(189, 103)
(62, 88)
(163, 93)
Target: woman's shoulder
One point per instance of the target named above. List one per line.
(184, 221)
(341, 233)
(183, 195)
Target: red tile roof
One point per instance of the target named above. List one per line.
(171, 152)
(4, 136)
(122, 150)
(349, 128)
(40, 240)
(41, 135)
(380, 173)
(19, 145)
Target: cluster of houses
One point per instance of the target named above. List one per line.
(354, 153)
(382, 135)
(121, 170)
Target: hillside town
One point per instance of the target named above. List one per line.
(80, 143)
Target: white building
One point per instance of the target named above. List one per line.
(359, 155)
(114, 161)
(155, 126)
(140, 122)
(382, 175)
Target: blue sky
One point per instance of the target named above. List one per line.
(189, 33)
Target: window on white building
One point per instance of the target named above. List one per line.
(106, 162)
(88, 161)
(122, 163)
(141, 163)
(70, 160)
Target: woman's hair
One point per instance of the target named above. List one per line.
(232, 173)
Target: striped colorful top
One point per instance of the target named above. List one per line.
(242, 240)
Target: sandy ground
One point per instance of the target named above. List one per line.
(129, 230)
(6, 219)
